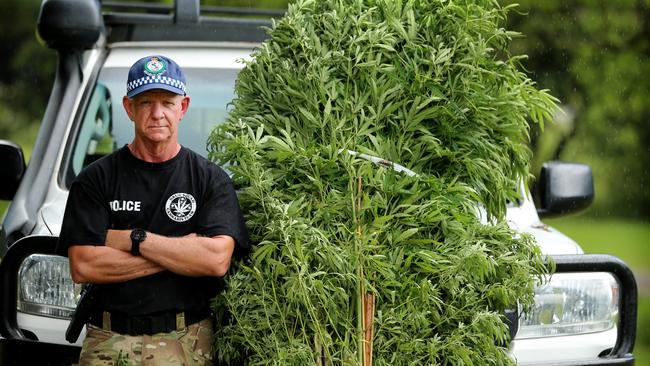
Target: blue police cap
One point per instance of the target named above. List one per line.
(155, 72)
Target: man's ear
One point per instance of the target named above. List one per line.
(185, 104)
(128, 107)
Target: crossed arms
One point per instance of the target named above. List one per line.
(190, 255)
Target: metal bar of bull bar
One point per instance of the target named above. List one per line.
(627, 294)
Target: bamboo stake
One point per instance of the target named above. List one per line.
(367, 299)
(360, 306)
(368, 317)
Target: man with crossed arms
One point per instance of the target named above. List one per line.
(154, 226)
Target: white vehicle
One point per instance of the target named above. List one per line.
(586, 314)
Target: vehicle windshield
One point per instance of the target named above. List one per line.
(106, 127)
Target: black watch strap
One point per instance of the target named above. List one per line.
(137, 237)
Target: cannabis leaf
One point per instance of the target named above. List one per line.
(181, 206)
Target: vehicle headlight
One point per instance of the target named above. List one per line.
(46, 288)
(570, 304)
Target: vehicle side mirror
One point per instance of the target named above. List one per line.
(70, 24)
(564, 188)
(13, 169)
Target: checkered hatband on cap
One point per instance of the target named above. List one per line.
(132, 85)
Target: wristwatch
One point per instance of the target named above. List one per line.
(137, 237)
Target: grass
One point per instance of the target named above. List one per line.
(642, 349)
(628, 240)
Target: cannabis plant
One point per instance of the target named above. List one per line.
(358, 260)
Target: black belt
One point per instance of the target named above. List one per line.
(146, 324)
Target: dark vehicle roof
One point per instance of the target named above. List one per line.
(186, 20)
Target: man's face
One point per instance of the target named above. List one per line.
(156, 114)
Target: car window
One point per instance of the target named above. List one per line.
(105, 126)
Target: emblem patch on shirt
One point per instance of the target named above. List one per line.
(180, 207)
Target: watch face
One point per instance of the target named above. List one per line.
(138, 235)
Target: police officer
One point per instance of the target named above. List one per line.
(154, 226)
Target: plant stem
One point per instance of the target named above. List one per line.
(361, 288)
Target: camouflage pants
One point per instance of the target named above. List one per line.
(189, 347)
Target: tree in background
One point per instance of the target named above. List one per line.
(26, 67)
(593, 56)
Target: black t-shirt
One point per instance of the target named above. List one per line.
(187, 194)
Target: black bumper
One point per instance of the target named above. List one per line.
(621, 354)
(15, 347)
(22, 352)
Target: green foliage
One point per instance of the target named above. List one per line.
(26, 68)
(592, 55)
(423, 84)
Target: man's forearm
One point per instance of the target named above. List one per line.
(189, 255)
(103, 264)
